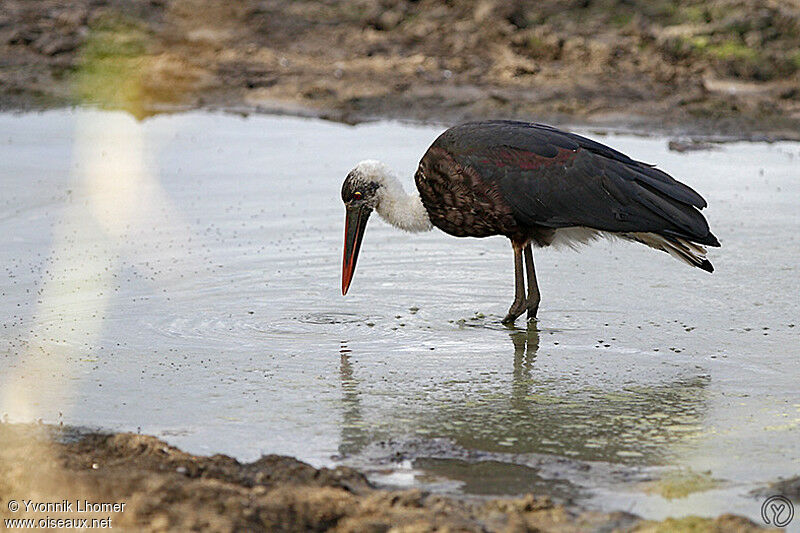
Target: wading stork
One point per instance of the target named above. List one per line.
(536, 185)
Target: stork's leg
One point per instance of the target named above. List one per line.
(519, 305)
(533, 288)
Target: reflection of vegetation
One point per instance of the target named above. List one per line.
(112, 64)
(681, 483)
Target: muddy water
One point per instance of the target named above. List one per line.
(180, 277)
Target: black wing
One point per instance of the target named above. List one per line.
(557, 179)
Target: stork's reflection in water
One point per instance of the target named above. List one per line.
(523, 407)
(526, 344)
(355, 433)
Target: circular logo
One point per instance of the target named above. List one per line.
(777, 511)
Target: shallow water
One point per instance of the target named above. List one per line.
(180, 277)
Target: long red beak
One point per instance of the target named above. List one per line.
(354, 223)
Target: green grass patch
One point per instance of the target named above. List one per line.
(694, 14)
(794, 59)
(731, 50)
(622, 19)
(698, 43)
(536, 46)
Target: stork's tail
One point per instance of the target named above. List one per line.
(681, 249)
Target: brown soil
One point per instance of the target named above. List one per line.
(165, 489)
(725, 67)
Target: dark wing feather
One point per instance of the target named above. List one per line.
(557, 179)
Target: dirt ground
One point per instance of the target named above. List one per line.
(716, 68)
(165, 489)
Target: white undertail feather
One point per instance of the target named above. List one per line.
(681, 249)
(394, 205)
(577, 236)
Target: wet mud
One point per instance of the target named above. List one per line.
(165, 489)
(722, 69)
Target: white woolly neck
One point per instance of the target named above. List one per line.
(393, 204)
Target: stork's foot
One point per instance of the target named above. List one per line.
(533, 308)
(516, 310)
(532, 303)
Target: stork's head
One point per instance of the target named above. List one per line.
(361, 192)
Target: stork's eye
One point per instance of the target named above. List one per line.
(357, 195)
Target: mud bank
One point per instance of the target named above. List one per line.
(723, 68)
(163, 488)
